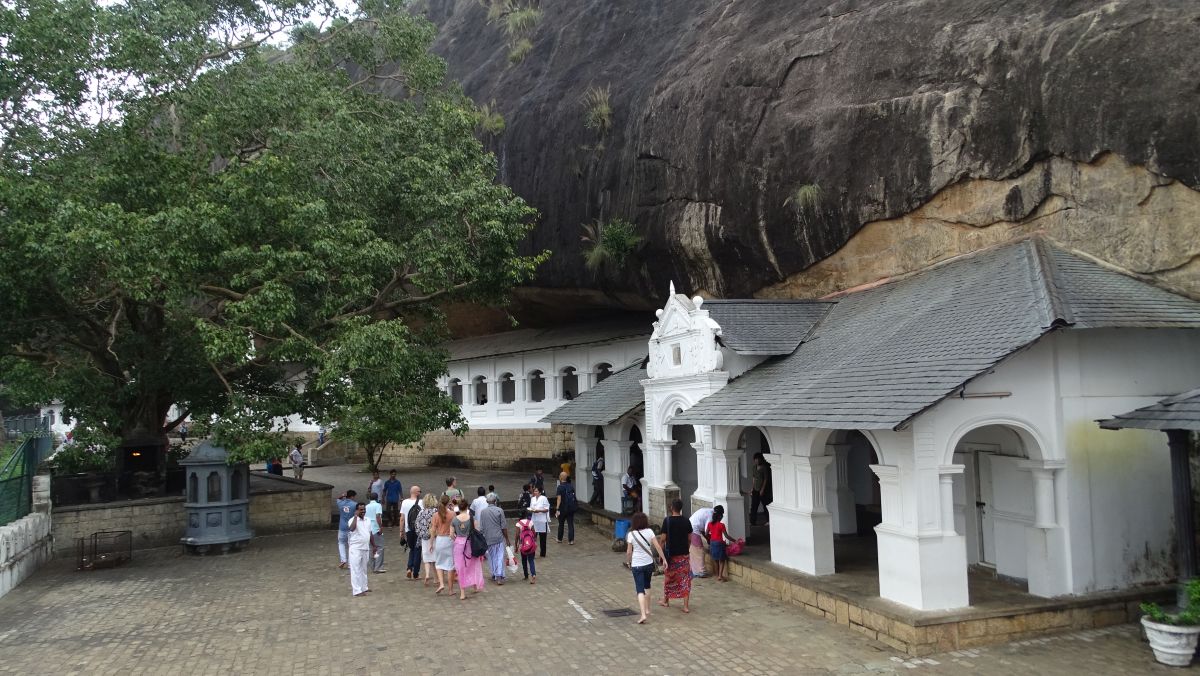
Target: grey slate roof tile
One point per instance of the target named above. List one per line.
(528, 340)
(1180, 412)
(883, 355)
(765, 327)
(607, 401)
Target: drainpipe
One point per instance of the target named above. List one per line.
(1185, 529)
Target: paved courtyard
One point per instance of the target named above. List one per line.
(281, 607)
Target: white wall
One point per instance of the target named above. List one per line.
(523, 413)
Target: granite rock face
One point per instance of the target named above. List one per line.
(750, 140)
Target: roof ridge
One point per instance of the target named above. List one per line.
(1046, 276)
(781, 301)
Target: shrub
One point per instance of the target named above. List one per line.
(597, 109)
(520, 22)
(805, 197)
(1188, 617)
(612, 243)
(519, 50)
(490, 121)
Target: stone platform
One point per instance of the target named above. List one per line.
(1000, 612)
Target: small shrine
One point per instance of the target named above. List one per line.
(217, 502)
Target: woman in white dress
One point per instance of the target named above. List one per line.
(539, 509)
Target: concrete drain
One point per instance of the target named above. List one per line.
(619, 612)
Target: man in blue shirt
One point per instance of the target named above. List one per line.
(346, 505)
(391, 496)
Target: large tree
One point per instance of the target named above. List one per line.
(191, 215)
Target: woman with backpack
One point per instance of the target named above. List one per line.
(468, 567)
(640, 548)
(527, 548)
(424, 521)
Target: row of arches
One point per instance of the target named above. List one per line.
(477, 391)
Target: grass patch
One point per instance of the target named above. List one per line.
(597, 109)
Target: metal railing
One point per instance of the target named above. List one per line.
(16, 476)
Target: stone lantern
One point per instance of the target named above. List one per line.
(217, 501)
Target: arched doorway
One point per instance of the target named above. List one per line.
(994, 500)
(683, 461)
(753, 441)
(635, 453)
(456, 391)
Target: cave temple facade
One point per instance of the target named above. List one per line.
(948, 417)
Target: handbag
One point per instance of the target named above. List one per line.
(510, 560)
(658, 568)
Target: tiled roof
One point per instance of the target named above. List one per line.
(884, 355)
(1180, 412)
(765, 327)
(607, 401)
(570, 335)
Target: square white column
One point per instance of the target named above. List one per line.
(726, 487)
(801, 525)
(922, 570)
(616, 460)
(585, 454)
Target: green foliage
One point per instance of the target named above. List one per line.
(491, 122)
(807, 197)
(192, 219)
(519, 49)
(610, 245)
(597, 113)
(91, 449)
(1188, 617)
(520, 22)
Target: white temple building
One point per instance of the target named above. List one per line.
(949, 415)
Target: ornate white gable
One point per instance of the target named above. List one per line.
(684, 341)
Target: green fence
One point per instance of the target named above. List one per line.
(16, 477)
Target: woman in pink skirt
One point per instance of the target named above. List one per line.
(469, 569)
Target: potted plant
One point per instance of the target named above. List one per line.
(1173, 636)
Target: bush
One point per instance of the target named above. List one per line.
(598, 111)
(519, 50)
(612, 243)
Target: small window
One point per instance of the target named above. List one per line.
(214, 487)
(456, 391)
(508, 389)
(479, 394)
(537, 386)
(193, 487)
(603, 371)
(676, 355)
(237, 485)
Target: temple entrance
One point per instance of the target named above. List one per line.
(853, 498)
(635, 454)
(994, 501)
(683, 460)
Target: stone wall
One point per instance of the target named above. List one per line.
(26, 543)
(160, 522)
(504, 449)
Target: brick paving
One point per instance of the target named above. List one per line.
(281, 607)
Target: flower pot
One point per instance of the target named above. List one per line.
(1172, 645)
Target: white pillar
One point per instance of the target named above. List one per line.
(521, 390)
(1046, 551)
(801, 525)
(844, 509)
(658, 486)
(726, 487)
(616, 460)
(922, 569)
(584, 381)
(946, 494)
(585, 453)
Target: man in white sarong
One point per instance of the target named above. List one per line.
(360, 550)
